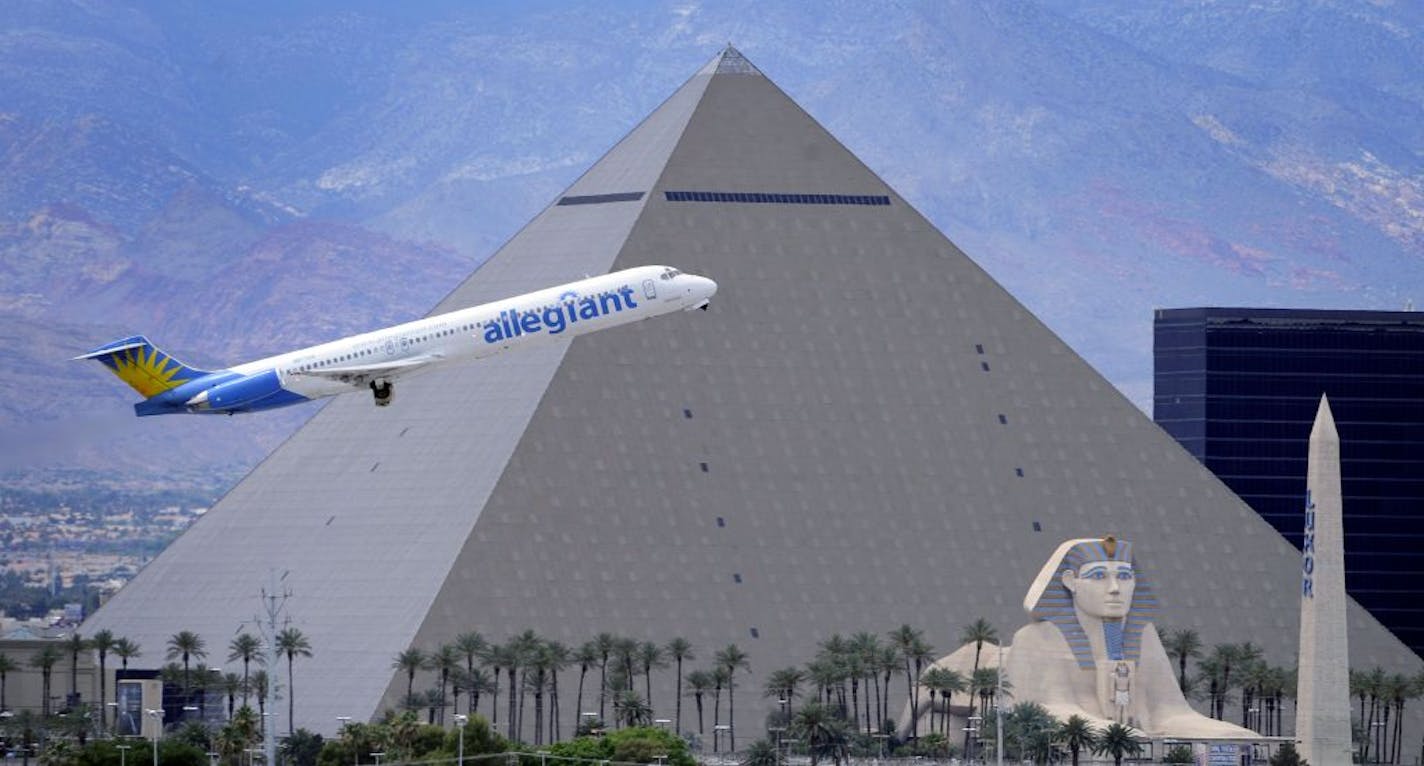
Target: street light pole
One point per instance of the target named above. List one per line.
(460, 721)
(157, 715)
(999, 708)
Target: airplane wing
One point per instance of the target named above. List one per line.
(360, 374)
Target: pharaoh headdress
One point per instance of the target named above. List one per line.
(1049, 600)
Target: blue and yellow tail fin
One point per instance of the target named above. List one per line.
(143, 366)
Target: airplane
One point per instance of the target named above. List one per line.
(376, 359)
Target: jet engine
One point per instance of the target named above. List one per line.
(241, 394)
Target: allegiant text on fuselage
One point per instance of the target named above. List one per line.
(513, 323)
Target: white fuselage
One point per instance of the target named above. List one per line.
(533, 319)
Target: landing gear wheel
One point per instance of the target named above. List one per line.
(383, 391)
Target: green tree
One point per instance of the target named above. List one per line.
(293, 644)
(824, 734)
(1118, 742)
(245, 648)
(1077, 735)
(732, 659)
(242, 732)
(761, 753)
(189, 646)
(45, 659)
(1029, 732)
(1288, 756)
(1181, 645)
(680, 650)
(632, 709)
(301, 748)
(555, 657)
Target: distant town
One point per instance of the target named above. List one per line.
(68, 544)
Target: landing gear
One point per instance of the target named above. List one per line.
(383, 391)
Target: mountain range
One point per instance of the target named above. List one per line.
(237, 181)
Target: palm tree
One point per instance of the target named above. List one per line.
(188, 645)
(782, 686)
(822, 731)
(1117, 741)
(699, 682)
(444, 661)
(865, 647)
(45, 660)
(259, 690)
(586, 656)
(948, 683)
(411, 660)
(246, 648)
(761, 753)
(679, 649)
(605, 642)
(232, 683)
(472, 646)
(103, 643)
(733, 659)
(651, 657)
(1076, 734)
(1181, 645)
(477, 682)
(524, 648)
(7, 666)
(719, 681)
(496, 656)
(126, 649)
(977, 633)
(75, 645)
(292, 643)
(536, 678)
(889, 664)
(633, 710)
(556, 658)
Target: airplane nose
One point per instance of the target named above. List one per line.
(705, 287)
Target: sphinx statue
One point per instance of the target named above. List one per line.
(1091, 649)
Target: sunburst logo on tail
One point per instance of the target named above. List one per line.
(148, 370)
(140, 364)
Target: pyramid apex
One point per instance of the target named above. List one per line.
(730, 61)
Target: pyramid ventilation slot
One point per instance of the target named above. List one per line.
(778, 198)
(598, 199)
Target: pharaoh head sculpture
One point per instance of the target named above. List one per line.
(1098, 579)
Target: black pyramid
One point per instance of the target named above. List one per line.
(865, 430)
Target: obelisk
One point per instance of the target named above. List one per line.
(1322, 714)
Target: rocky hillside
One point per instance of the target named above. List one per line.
(233, 182)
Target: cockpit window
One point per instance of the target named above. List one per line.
(670, 273)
